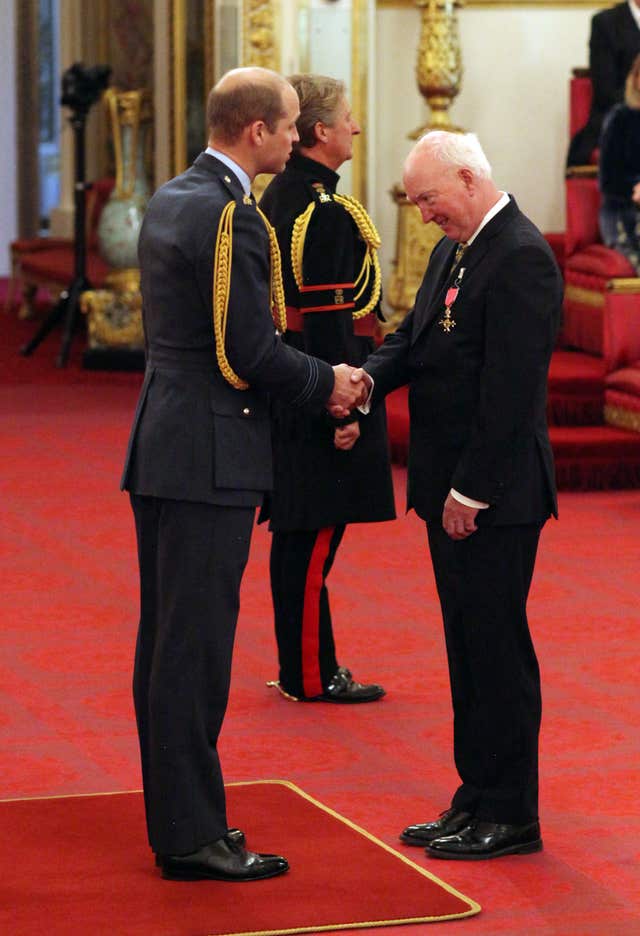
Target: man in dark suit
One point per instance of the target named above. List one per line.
(199, 459)
(475, 353)
(613, 45)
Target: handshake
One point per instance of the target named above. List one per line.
(351, 388)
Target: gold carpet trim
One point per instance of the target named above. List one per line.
(474, 907)
(622, 418)
(585, 296)
(620, 284)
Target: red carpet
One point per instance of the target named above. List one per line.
(69, 606)
(93, 872)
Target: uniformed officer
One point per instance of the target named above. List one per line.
(328, 472)
(199, 459)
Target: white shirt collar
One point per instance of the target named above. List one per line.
(237, 170)
(502, 202)
(635, 12)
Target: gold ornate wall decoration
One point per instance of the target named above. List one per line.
(260, 47)
(439, 63)
(414, 243)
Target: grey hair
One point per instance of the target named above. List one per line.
(462, 150)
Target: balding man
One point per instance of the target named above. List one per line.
(475, 353)
(199, 459)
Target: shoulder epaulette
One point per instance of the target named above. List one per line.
(222, 286)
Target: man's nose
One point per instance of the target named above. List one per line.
(426, 212)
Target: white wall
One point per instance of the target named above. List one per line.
(8, 180)
(515, 94)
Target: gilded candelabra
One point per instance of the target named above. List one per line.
(439, 65)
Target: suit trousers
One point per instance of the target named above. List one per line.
(300, 563)
(483, 583)
(191, 559)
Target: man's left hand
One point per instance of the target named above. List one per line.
(458, 520)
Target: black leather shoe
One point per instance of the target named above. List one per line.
(450, 821)
(234, 835)
(481, 840)
(343, 688)
(222, 860)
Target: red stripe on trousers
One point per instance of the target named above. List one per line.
(311, 678)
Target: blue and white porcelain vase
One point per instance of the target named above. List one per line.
(121, 217)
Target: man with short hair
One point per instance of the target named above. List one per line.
(199, 459)
(328, 472)
(475, 352)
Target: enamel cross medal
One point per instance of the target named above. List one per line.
(447, 323)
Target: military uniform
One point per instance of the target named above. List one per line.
(198, 464)
(331, 276)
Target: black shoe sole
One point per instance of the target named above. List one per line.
(346, 700)
(421, 843)
(526, 849)
(198, 876)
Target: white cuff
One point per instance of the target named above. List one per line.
(365, 408)
(468, 501)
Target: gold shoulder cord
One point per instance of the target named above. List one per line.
(298, 236)
(371, 238)
(369, 235)
(279, 305)
(222, 286)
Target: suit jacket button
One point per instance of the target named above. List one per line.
(246, 411)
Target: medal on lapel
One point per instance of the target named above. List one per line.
(447, 322)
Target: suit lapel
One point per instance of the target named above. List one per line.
(434, 284)
(471, 260)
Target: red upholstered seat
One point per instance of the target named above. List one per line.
(57, 266)
(48, 262)
(602, 292)
(596, 260)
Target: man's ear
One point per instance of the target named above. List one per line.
(320, 131)
(256, 132)
(467, 177)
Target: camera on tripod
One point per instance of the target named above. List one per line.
(81, 87)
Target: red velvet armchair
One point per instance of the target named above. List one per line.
(48, 262)
(602, 291)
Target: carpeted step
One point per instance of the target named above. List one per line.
(575, 389)
(595, 457)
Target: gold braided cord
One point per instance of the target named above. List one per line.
(368, 233)
(371, 238)
(221, 289)
(371, 259)
(365, 225)
(298, 236)
(279, 305)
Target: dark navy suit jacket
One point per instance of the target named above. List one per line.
(477, 393)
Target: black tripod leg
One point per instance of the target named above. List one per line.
(70, 320)
(49, 323)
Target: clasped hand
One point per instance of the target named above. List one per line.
(458, 520)
(350, 389)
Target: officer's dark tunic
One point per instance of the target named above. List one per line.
(318, 488)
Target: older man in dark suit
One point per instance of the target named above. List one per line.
(475, 353)
(199, 459)
(613, 45)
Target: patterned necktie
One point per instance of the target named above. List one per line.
(460, 249)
